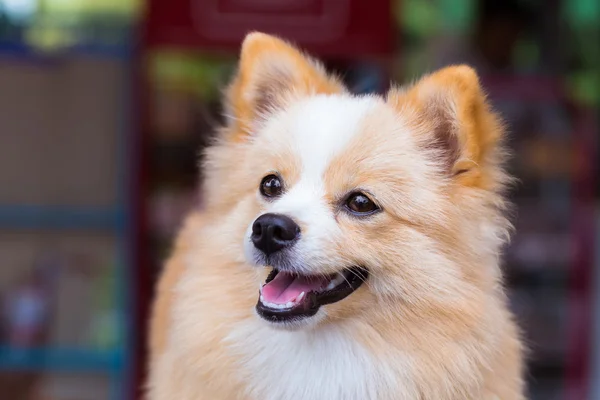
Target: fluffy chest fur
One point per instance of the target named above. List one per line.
(313, 365)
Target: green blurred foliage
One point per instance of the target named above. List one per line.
(201, 75)
(423, 21)
(52, 25)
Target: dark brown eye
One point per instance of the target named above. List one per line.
(271, 186)
(360, 204)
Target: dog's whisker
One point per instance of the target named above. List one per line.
(357, 273)
(344, 276)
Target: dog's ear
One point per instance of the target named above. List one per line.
(453, 119)
(270, 71)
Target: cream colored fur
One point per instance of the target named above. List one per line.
(430, 323)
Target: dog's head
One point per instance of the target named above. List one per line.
(353, 206)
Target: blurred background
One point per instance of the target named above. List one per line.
(105, 105)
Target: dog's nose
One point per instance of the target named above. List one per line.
(273, 232)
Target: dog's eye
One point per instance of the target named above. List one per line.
(271, 186)
(359, 203)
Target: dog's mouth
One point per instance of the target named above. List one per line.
(287, 296)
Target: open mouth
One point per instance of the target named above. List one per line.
(286, 296)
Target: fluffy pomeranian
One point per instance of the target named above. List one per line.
(349, 247)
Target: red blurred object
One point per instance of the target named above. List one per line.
(328, 28)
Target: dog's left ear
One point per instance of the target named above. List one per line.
(449, 112)
(271, 71)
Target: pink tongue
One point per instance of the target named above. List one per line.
(286, 287)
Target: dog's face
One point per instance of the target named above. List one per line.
(354, 206)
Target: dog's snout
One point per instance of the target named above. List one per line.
(273, 232)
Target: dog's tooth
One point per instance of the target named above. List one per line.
(333, 283)
(300, 296)
(282, 306)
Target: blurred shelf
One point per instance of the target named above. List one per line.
(59, 217)
(59, 359)
(103, 50)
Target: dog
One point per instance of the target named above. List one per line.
(349, 246)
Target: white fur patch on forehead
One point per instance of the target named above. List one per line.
(315, 130)
(321, 126)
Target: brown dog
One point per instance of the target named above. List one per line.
(349, 248)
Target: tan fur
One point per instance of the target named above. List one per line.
(271, 67)
(433, 311)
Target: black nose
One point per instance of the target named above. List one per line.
(273, 232)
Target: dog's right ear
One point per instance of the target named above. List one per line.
(270, 72)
